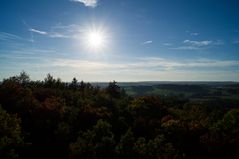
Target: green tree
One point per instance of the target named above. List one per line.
(74, 84)
(49, 80)
(97, 143)
(124, 149)
(230, 122)
(10, 135)
(140, 148)
(222, 140)
(159, 148)
(113, 90)
(23, 78)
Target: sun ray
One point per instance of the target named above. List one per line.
(95, 39)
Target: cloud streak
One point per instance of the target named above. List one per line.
(136, 69)
(167, 44)
(198, 43)
(149, 68)
(58, 35)
(146, 63)
(4, 36)
(49, 34)
(88, 3)
(147, 42)
(194, 34)
(38, 31)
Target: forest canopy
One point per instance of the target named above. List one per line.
(55, 119)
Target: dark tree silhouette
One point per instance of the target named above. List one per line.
(54, 119)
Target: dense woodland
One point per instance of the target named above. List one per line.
(54, 119)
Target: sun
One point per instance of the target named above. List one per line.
(96, 40)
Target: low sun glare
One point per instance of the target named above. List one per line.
(96, 40)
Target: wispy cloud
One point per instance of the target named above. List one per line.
(185, 64)
(146, 63)
(198, 43)
(4, 36)
(88, 3)
(186, 48)
(82, 64)
(236, 42)
(49, 34)
(150, 68)
(147, 42)
(58, 35)
(135, 69)
(38, 31)
(194, 34)
(167, 44)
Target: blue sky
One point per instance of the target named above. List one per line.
(144, 40)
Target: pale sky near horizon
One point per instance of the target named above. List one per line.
(122, 40)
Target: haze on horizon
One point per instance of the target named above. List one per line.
(122, 40)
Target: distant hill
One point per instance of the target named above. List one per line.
(199, 90)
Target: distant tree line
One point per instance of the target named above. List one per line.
(54, 119)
